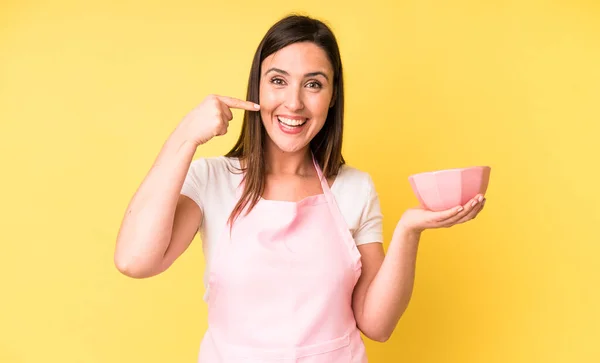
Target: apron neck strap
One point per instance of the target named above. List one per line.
(322, 178)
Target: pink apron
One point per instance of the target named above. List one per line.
(281, 286)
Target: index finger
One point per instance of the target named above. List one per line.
(237, 103)
(445, 215)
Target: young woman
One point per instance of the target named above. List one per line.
(291, 234)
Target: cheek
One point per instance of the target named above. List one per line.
(319, 105)
(268, 99)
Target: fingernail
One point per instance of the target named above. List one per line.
(480, 198)
(256, 106)
(459, 209)
(473, 203)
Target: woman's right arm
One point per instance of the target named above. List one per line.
(160, 223)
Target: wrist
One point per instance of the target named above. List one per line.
(407, 231)
(182, 139)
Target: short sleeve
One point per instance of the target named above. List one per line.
(371, 219)
(195, 182)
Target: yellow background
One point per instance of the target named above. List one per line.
(89, 90)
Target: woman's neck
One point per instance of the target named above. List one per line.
(282, 163)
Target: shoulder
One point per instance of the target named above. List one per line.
(355, 194)
(216, 167)
(354, 189)
(215, 164)
(353, 180)
(210, 175)
(212, 182)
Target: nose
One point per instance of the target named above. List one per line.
(293, 99)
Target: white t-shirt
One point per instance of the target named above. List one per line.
(212, 182)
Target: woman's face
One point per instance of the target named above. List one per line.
(296, 90)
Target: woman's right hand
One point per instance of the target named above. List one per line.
(211, 118)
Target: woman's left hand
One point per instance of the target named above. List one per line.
(419, 219)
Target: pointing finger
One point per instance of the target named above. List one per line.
(237, 103)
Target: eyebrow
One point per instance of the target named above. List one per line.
(311, 74)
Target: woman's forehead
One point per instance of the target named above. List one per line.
(299, 59)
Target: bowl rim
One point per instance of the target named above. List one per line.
(451, 170)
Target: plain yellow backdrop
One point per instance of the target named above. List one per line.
(89, 90)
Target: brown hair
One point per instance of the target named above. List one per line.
(326, 145)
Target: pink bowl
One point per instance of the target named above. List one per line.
(445, 189)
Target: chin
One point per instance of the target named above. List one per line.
(289, 147)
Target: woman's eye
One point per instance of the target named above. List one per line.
(314, 84)
(277, 81)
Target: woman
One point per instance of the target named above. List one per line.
(292, 236)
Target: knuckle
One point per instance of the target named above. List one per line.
(210, 99)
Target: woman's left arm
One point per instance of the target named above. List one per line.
(385, 286)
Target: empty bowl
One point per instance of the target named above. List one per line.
(444, 189)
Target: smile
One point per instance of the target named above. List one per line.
(291, 122)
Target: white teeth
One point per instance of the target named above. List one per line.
(290, 122)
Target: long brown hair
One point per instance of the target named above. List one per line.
(326, 146)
